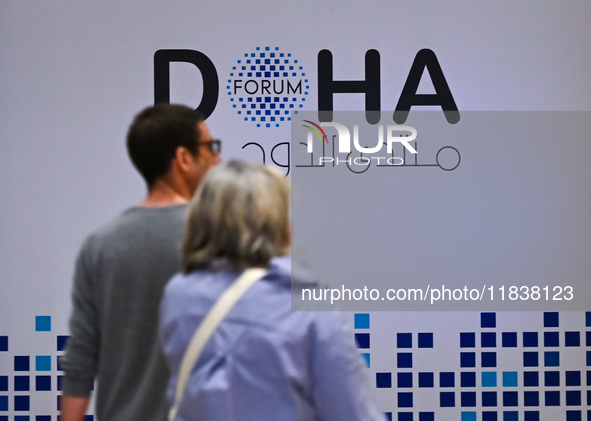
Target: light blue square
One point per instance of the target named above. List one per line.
(489, 379)
(43, 363)
(43, 323)
(469, 416)
(362, 321)
(509, 378)
(551, 359)
(365, 356)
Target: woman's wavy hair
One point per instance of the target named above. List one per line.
(238, 218)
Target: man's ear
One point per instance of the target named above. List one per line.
(183, 158)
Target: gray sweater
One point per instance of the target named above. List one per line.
(119, 278)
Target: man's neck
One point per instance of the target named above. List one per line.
(162, 193)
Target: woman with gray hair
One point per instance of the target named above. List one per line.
(263, 361)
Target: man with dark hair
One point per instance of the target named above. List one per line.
(122, 269)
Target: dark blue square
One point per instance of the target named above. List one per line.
(573, 398)
(43, 418)
(489, 398)
(21, 403)
(510, 416)
(588, 318)
(530, 339)
(21, 383)
(572, 338)
(552, 398)
(383, 380)
(531, 416)
(404, 379)
(3, 383)
(489, 416)
(426, 380)
(4, 403)
(509, 339)
(468, 379)
(551, 339)
(388, 416)
(404, 399)
(588, 378)
(510, 399)
(551, 358)
(59, 402)
(425, 340)
(489, 359)
(426, 416)
(21, 363)
(404, 360)
(60, 379)
(575, 415)
(59, 363)
(552, 378)
(467, 339)
(404, 416)
(447, 399)
(362, 340)
(3, 343)
(588, 397)
(467, 359)
(531, 379)
(43, 383)
(468, 399)
(551, 319)
(588, 338)
(404, 340)
(530, 359)
(531, 398)
(488, 320)
(447, 379)
(488, 339)
(573, 378)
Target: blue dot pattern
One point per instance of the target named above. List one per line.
(264, 87)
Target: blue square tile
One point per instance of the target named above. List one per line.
(531, 398)
(447, 379)
(531, 416)
(489, 416)
(3, 383)
(362, 321)
(59, 362)
(447, 399)
(43, 363)
(3, 403)
(510, 398)
(489, 379)
(509, 378)
(468, 416)
(489, 398)
(531, 379)
(43, 383)
(551, 378)
(572, 338)
(551, 319)
(404, 340)
(468, 379)
(573, 378)
(530, 339)
(588, 378)
(405, 416)
(425, 340)
(588, 338)
(22, 403)
(62, 341)
(573, 398)
(530, 359)
(366, 358)
(404, 399)
(509, 339)
(467, 339)
(43, 323)
(575, 415)
(489, 359)
(404, 360)
(467, 359)
(510, 416)
(3, 343)
(488, 339)
(22, 418)
(588, 319)
(551, 339)
(43, 418)
(389, 416)
(552, 398)
(551, 359)
(60, 379)
(404, 379)
(362, 340)
(426, 380)
(383, 380)
(21, 363)
(468, 399)
(588, 358)
(21, 384)
(426, 416)
(488, 320)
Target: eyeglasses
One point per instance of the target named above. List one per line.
(214, 145)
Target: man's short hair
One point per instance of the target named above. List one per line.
(238, 218)
(155, 135)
